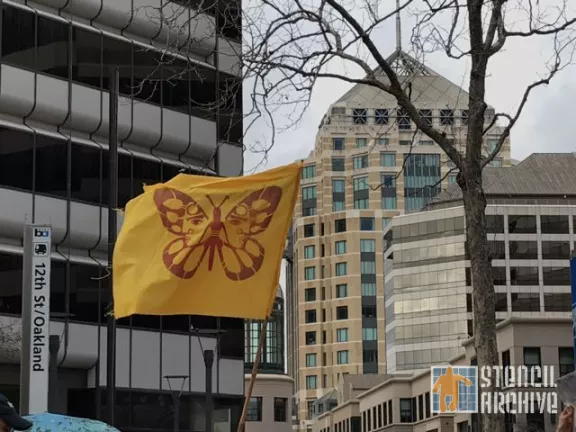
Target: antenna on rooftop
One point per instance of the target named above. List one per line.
(398, 28)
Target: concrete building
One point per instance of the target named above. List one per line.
(55, 57)
(402, 402)
(428, 286)
(369, 164)
(270, 407)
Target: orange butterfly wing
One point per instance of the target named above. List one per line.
(241, 254)
(182, 216)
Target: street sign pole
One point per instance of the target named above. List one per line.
(35, 352)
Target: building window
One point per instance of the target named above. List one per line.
(360, 162)
(464, 117)
(340, 247)
(340, 225)
(309, 192)
(521, 224)
(556, 250)
(422, 179)
(406, 411)
(342, 335)
(427, 403)
(525, 302)
(310, 294)
(557, 302)
(309, 172)
(359, 115)
(338, 206)
(381, 116)
(492, 143)
(338, 186)
(310, 408)
(361, 203)
(554, 224)
(309, 230)
(385, 222)
(309, 251)
(360, 184)
(366, 224)
(311, 360)
(452, 178)
(254, 412)
(338, 164)
(311, 338)
(382, 141)
(367, 267)
(342, 312)
(310, 316)
(446, 117)
(340, 269)
(426, 115)
(337, 144)
(341, 290)
(367, 245)
(280, 408)
(388, 159)
(420, 407)
(532, 357)
(369, 334)
(389, 203)
(361, 142)
(311, 382)
(309, 273)
(342, 357)
(368, 288)
(403, 119)
(566, 360)
(554, 276)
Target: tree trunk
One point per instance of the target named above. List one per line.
(483, 295)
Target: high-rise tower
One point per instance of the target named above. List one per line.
(369, 164)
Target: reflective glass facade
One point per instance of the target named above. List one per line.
(422, 180)
(272, 358)
(428, 282)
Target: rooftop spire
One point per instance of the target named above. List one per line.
(398, 28)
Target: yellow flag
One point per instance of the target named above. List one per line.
(199, 245)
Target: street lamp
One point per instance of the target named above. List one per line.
(208, 363)
(176, 396)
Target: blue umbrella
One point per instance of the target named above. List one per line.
(60, 423)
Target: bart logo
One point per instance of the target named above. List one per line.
(454, 389)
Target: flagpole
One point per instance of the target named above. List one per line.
(112, 234)
(253, 375)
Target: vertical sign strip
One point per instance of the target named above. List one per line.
(35, 319)
(573, 290)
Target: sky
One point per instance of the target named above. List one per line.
(546, 124)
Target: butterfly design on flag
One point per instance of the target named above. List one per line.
(205, 234)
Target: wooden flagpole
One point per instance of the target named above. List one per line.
(255, 366)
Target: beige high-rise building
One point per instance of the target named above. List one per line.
(368, 165)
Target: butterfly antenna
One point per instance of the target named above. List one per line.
(224, 200)
(211, 202)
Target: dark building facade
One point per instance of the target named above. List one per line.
(177, 113)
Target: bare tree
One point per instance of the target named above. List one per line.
(292, 44)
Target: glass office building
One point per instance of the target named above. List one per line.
(55, 60)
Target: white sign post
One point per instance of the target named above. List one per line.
(35, 358)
